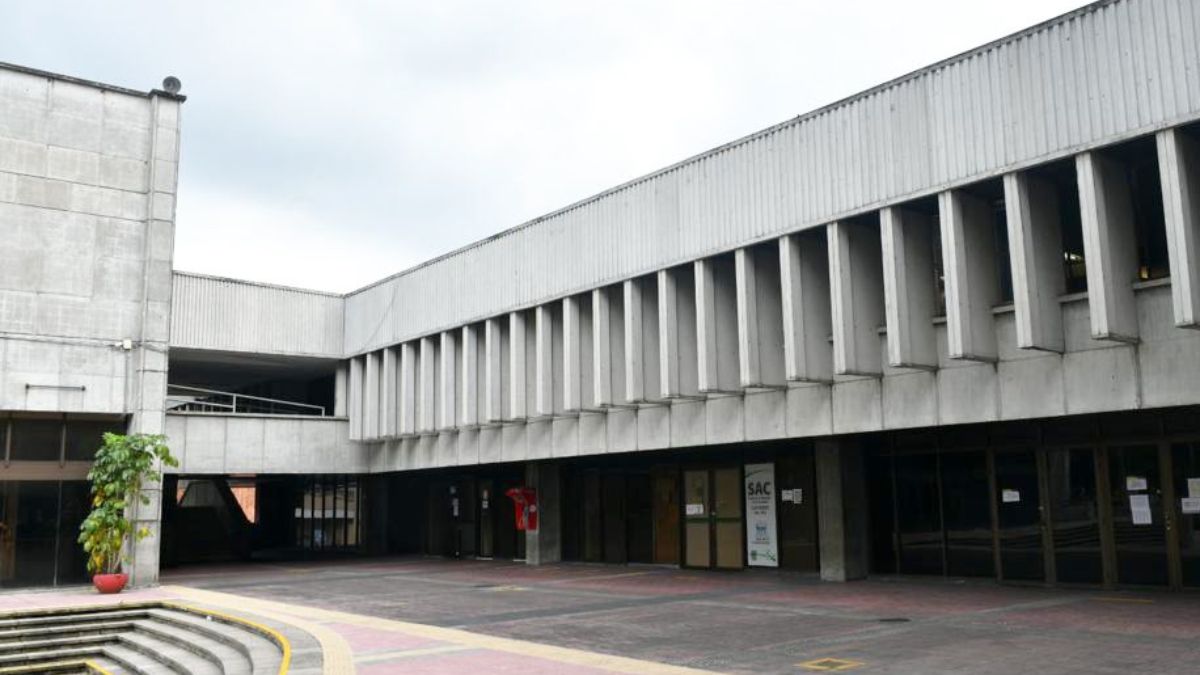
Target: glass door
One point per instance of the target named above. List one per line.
(1185, 462)
(798, 515)
(1075, 515)
(487, 507)
(1138, 519)
(666, 518)
(919, 514)
(967, 514)
(1019, 516)
(727, 517)
(696, 528)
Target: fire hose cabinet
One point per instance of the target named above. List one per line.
(525, 503)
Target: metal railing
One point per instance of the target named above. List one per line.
(182, 398)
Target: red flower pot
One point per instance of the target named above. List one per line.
(110, 583)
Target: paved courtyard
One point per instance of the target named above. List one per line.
(506, 617)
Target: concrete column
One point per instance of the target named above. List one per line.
(635, 383)
(601, 349)
(544, 355)
(469, 373)
(427, 380)
(355, 377)
(408, 389)
(1109, 246)
(341, 378)
(544, 545)
(668, 335)
(856, 298)
(910, 298)
(969, 266)
(389, 393)
(448, 381)
(1179, 169)
(572, 362)
(371, 395)
(517, 382)
(841, 510)
(493, 402)
(804, 284)
(1036, 252)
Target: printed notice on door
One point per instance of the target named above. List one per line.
(1139, 508)
(762, 545)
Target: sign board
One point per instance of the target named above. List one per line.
(1010, 496)
(695, 509)
(1194, 488)
(1139, 509)
(1190, 505)
(1133, 483)
(762, 544)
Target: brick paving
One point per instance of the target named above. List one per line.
(753, 621)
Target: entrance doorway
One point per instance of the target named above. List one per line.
(713, 531)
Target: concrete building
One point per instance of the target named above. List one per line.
(946, 326)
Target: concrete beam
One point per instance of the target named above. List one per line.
(856, 298)
(1035, 250)
(1109, 246)
(910, 296)
(1179, 170)
(807, 323)
(969, 266)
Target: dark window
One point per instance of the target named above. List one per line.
(84, 437)
(36, 440)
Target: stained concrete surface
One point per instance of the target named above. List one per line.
(752, 621)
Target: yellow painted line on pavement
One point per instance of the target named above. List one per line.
(300, 615)
(1139, 601)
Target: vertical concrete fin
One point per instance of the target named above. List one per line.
(544, 354)
(427, 400)
(746, 282)
(706, 326)
(408, 388)
(448, 380)
(517, 367)
(668, 335)
(1179, 169)
(340, 384)
(1110, 252)
(356, 394)
(1035, 251)
(856, 298)
(371, 398)
(804, 282)
(635, 385)
(572, 355)
(601, 349)
(492, 401)
(388, 393)
(469, 415)
(906, 241)
(969, 266)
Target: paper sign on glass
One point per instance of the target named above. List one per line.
(695, 509)
(785, 495)
(1190, 504)
(1139, 507)
(1135, 483)
(1010, 496)
(797, 496)
(1194, 488)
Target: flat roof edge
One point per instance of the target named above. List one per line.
(91, 83)
(261, 284)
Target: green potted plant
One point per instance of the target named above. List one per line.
(123, 464)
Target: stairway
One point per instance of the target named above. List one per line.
(141, 639)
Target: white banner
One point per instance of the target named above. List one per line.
(762, 546)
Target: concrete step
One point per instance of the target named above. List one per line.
(171, 657)
(151, 638)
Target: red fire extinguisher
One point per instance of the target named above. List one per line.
(525, 501)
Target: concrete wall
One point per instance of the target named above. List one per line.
(241, 316)
(87, 185)
(228, 444)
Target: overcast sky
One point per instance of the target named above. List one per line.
(329, 144)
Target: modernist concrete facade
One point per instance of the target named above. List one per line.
(1002, 241)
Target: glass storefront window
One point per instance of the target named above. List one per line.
(1185, 460)
(1075, 515)
(39, 521)
(36, 440)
